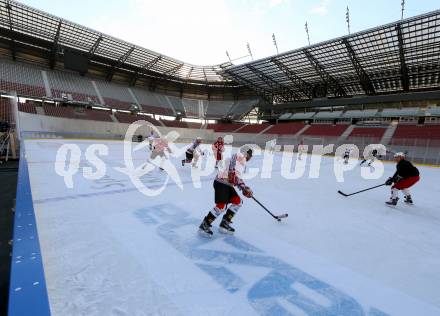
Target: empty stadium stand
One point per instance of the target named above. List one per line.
(97, 115)
(223, 127)
(286, 128)
(130, 118)
(59, 111)
(374, 132)
(153, 102)
(72, 86)
(218, 109)
(326, 130)
(25, 79)
(27, 107)
(181, 124)
(253, 128)
(417, 131)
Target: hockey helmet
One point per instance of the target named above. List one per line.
(399, 154)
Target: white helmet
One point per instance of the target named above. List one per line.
(399, 154)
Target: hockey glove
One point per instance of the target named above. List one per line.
(247, 192)
(389, 181)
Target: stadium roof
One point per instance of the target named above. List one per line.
(403, 56)
(19, 19)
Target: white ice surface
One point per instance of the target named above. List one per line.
(109, 250)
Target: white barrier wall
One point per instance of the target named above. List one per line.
(42, 123)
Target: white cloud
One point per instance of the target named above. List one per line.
(321, 8)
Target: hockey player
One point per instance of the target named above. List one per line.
(226, 197)
(301, 149)
(218, 148)
(158, 150)
(405, 176)
(151, 138)
(193, 153)
(372, 157)
(346, 155)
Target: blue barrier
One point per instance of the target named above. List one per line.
(27, 290)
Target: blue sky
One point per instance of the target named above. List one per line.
(200, 31)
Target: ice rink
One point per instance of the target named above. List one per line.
(108, 249)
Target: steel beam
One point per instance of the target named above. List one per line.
(265, 94)
(328, 80)
(403, 67)
(119, 62)
(54, 50)
(298, 82)
(286, 93)
(12, 41)
(173, 70)
(95, 46)
(364, 79)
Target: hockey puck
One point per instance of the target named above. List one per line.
(279, 219)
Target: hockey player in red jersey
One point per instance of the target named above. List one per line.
(405, 176)
(226, 197)
(218, 148)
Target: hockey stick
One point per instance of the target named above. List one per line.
(344, 194)
(277, 217)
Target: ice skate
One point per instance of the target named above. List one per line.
(392, 201)
(225, 227)
(205, 229)
(408, 199)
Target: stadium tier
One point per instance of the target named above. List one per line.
(181, 124)
(27, 107)
(225, 127)
(325, 130)
(285, 128)
(416, 131)
(376, 132)
(253, 128)
(130, 118)
(33, 81)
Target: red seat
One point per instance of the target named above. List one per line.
(59, 111)
(225, 127)
(325, 130)
(368, 132)
(254, 128)
(27, 107)
(417, 131)
(285, 128)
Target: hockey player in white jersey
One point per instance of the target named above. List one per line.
(372, 156)
(160, 145)
(193, 153)
(226, 197)
(151, 138)
(346, 155)
(159, 148)
(302, 149)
